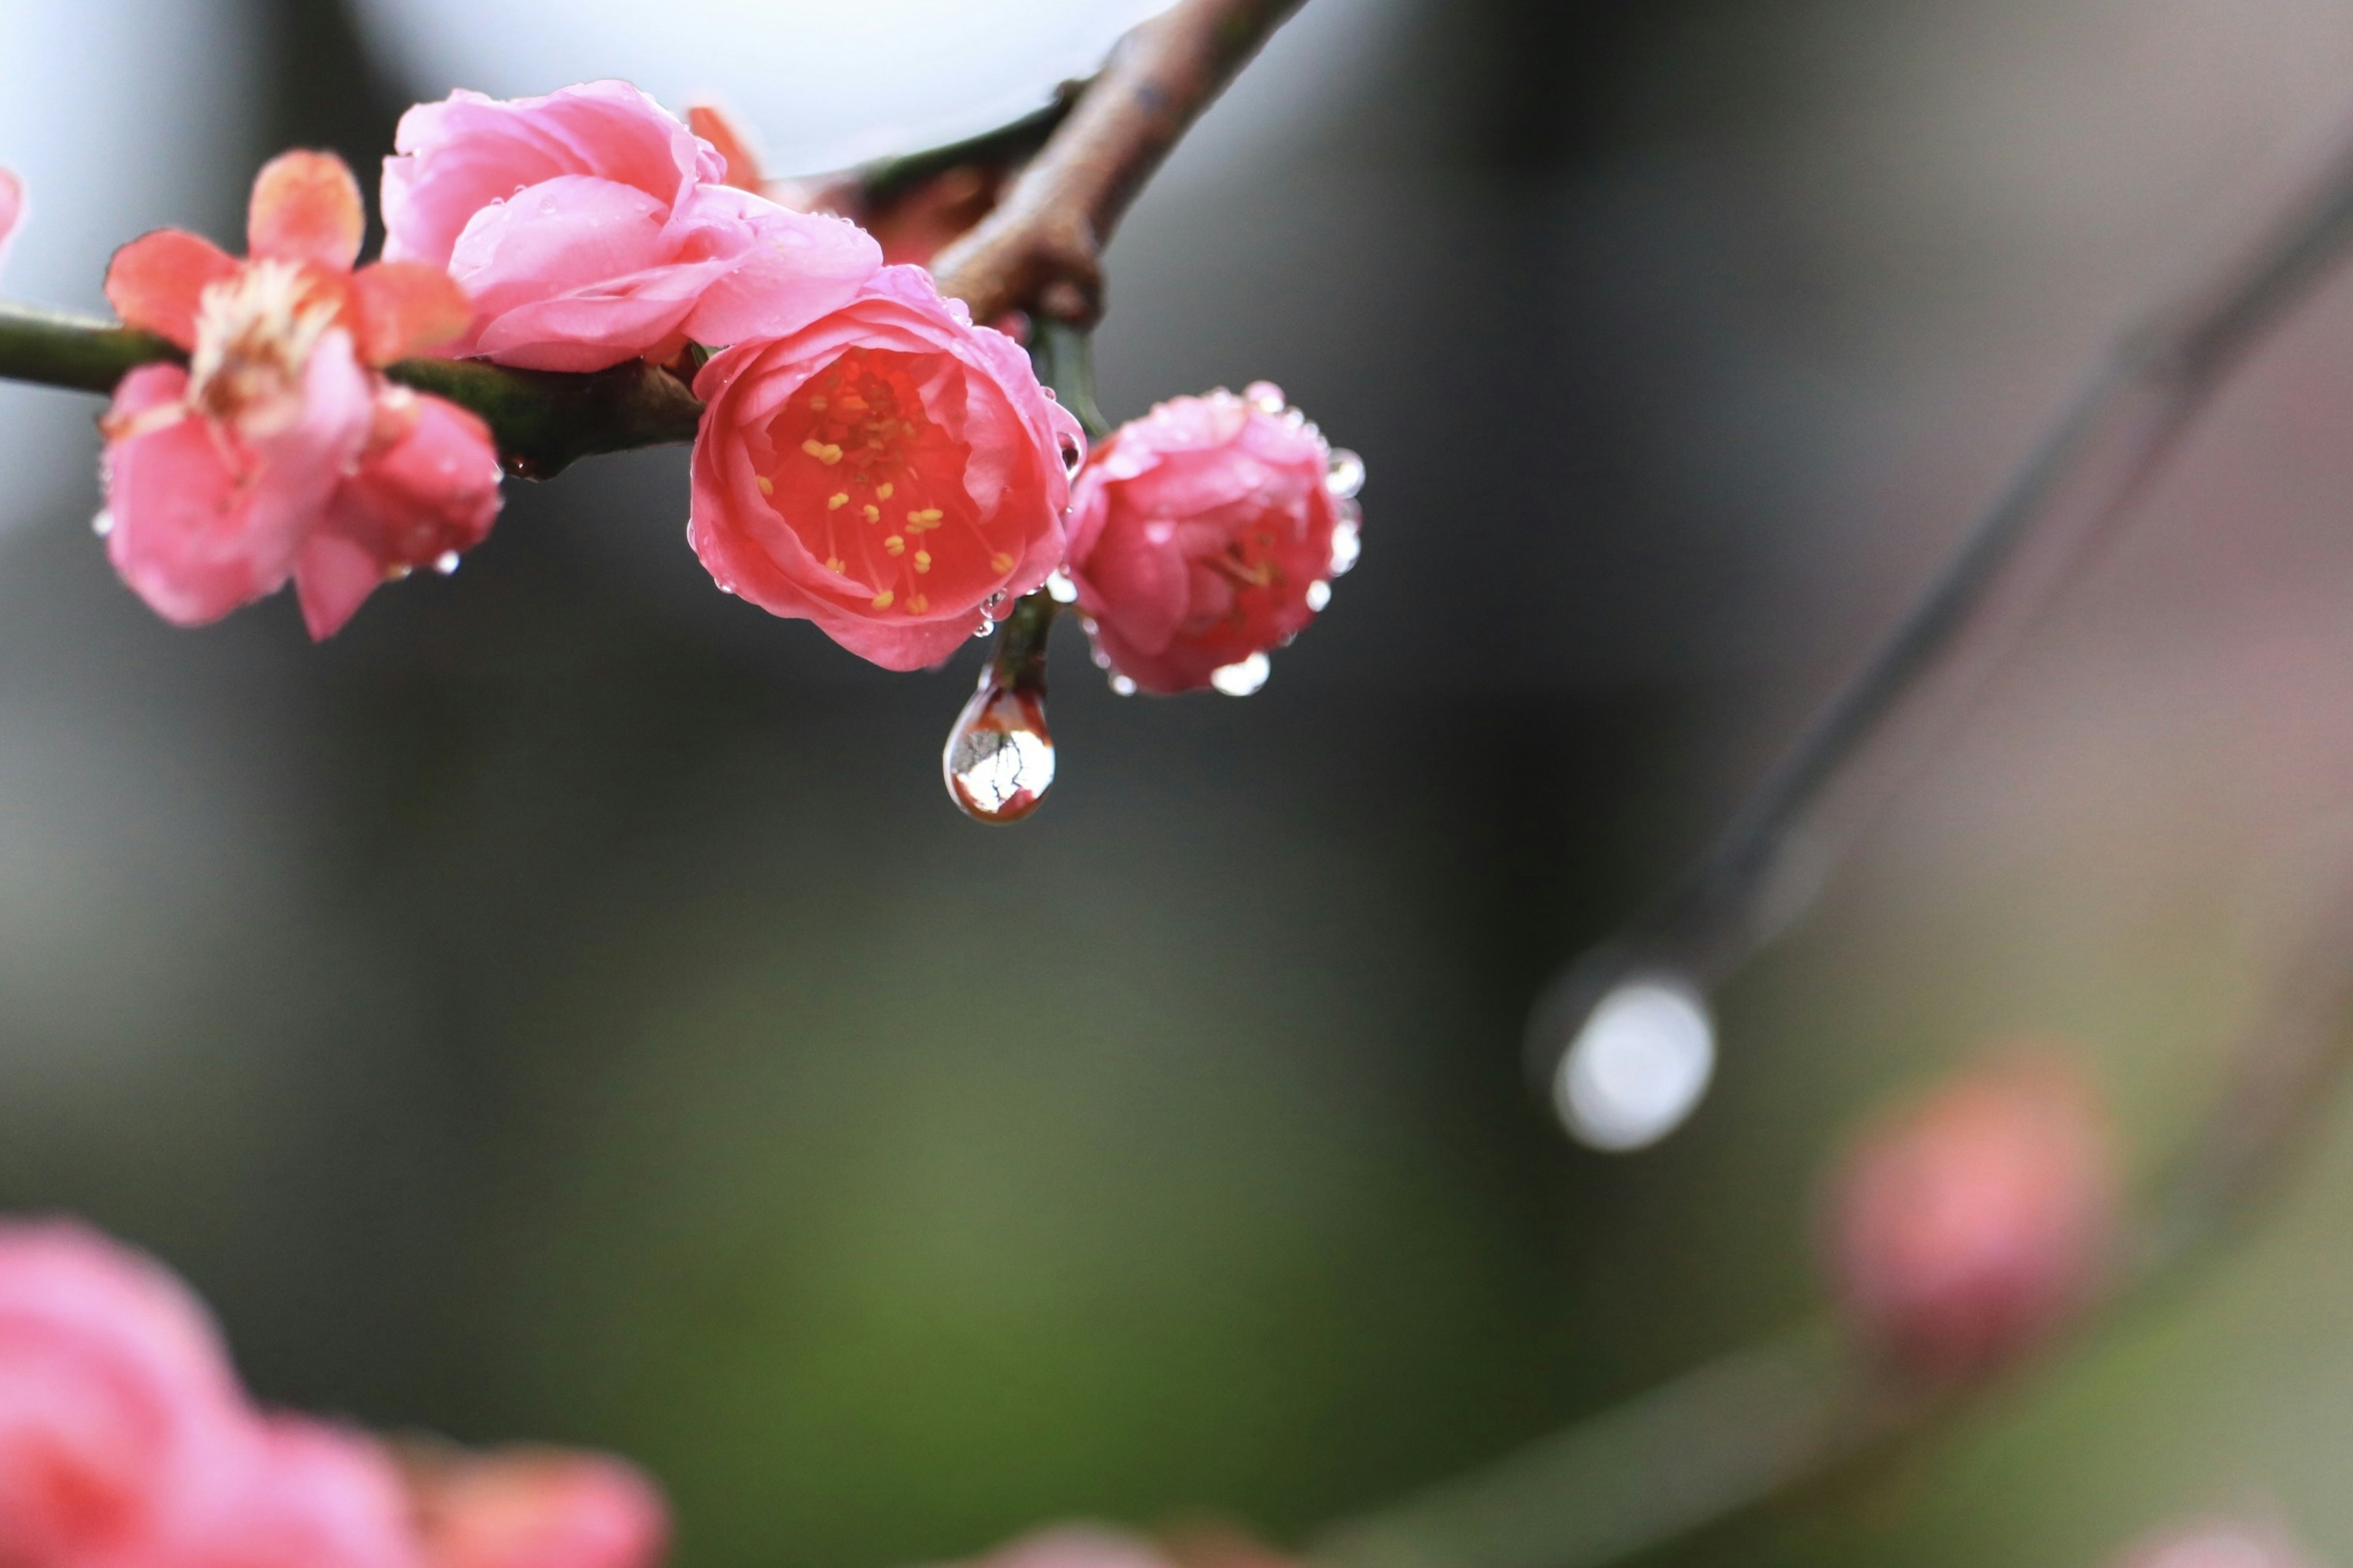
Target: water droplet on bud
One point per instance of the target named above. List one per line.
(1243, 676)
(1000, 759)
(1061, 589)
(1264, 397)
(1344, 474)
(1319, 594)
(445, 563)
(102, 524)
(1347, 543)
(1121, 686)
(995, 602)
(987, 629)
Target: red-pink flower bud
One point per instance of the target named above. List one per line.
(1207, 534)
(536, 1508)
(1967, 1226)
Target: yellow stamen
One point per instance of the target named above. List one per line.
(873, 513)
(834, 500)
(833, 565)
(917, 604)
(767, 485)
(894, 544)
(883, 491)
(922, 560)
(882, 600)
(825, 452)
(1000, 562)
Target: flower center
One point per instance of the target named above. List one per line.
(874, 485)
(255, 334)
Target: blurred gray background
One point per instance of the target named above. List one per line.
(565, 1005)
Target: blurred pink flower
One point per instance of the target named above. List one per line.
(1206, 532)
(889, 472)
(592, 227)
(538, 1507)
(221, 476)
(2216, 1543)
(12, 207)
(301, 1495)
(1076, 1546)
(1968, 1227)
(117, 1404)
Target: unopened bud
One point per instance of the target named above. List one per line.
(1967, 1227)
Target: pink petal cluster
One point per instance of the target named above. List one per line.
(592, 227)
(888, 471)
(1965, 1229)
(1206, 534)
(12, 207)
(278, 452)
(125, 1442)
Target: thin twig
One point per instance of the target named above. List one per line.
(1041, 250)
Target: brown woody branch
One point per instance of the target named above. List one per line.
(1041, 250)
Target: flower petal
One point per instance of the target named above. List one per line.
(11, 207)
(306, 207)
(403, 308)
(730, 141)
(157, 281)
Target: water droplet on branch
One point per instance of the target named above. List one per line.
(445, 563)
(1639, 1066)
(1000, 759)
(1243, 676)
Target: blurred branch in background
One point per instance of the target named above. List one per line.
(1761, 1422)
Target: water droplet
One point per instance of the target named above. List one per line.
(1072, 458)
(1000, 759)
(1100, 659)
(102, 524)
(1346, 545)
(1264, 397)
(995, 602)
(1344, 473)
(396, 573)
(1061, 589)
(1121, 684)
(1319, 594)
(1639, 1064)
(987, 629)
(1243, 676)
(445, 563)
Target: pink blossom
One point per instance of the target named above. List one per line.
(278, 452)
(2216, 1543)
(1965, 1229)
(116, 1399)
(591, 227)
(12, 207)
(538, 1507)
(1076, 1546)
(888, 471)
(1203, 534)
(301, 1494)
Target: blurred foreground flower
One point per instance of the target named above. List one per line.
(125, 1442)
(12, 207)
(2216, 1543)
(1207, 534)
(1967, 1227)
(278, 452)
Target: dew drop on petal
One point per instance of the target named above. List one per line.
(1242, 677)
(445, 563)
(1344, 474)
(1061, 589)
(995, 602)
(102, 524)
(987, 629)
(1346, 545)
(1319, 594)
(1000, 759)
(1264, 397)
(1121, 684)
(1102, 659)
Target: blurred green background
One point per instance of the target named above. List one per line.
(565, 1005)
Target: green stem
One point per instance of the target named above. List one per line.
(542, 421)
(1065, 357)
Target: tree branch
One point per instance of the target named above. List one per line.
(1041, 250)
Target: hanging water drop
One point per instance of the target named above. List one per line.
(1344, 474)
(1319, 595)
(994, 602)
(1121, 686)
(1243, 676)
(1061, 589)
(1000, 759)
(1346, 541)
(445, 563)
(102, 524)
(1264, 397)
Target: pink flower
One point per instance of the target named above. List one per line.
(2217, 1543)
(888, 471)
(277, 453)
(1965, 1230)
(1076, 1546)
(1207, 533)
(12, 207)
(303, 1495)
(538, 1507)
(590, 227)
(116, 1398)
